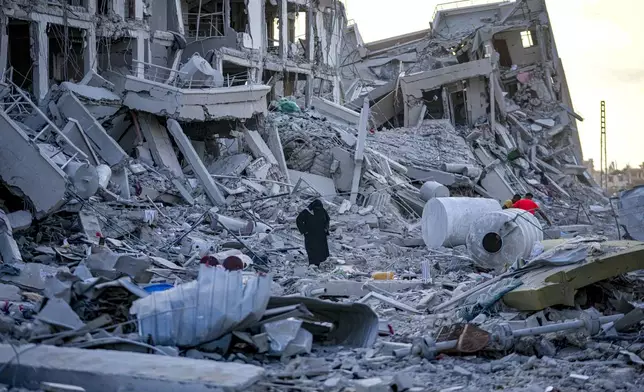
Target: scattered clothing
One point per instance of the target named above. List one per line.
(526, 205)
(313, 223)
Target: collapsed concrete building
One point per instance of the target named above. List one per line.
(155, 156)
(491, 69)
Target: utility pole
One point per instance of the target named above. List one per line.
(603, 160)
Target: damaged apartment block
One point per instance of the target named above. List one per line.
(156, 157)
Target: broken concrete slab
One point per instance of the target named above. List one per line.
(335, 112)
(9, 292)
(159, 144)
(447, 179)
(91, 226)
(109, 371)
(57, 312)
(323, 185)
(275, 145)
(32, 276)
(28, 171)
(188, 151)
(558, 285)
(231, 165)
(106, 147)
(258, 147)
(92, 93)
(343, 176)
(546, 122)
(204, 104)
(350, 288)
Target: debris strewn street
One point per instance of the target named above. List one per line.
(155, 155)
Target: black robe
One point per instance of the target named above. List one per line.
(313, 223)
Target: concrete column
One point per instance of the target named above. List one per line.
(40, 57)
(138, 54)
(91, 7)
(89, 54)
(226, 14)
(490, 49)
(138, 9)
(541, 38)
(175, 11)
(4, 43)
(118, 8)
(445, 100)
(310, 34)
(283, 20)
(308, 93)
(492, 103)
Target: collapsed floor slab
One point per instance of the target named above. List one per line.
(109, 371)
(25, 167)
(106, 147)
(185, 104)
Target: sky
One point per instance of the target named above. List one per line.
(597, 41)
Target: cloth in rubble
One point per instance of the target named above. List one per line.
(287, 106)
(313, 223)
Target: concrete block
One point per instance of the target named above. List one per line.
(159, 144)
(111, 371)
(28, 170)
(106, 147)
(258, 147)
(188, 151)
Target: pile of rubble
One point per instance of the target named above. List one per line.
(143, 250)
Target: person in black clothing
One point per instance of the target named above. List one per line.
(313, 223)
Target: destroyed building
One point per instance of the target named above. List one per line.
(155, 156)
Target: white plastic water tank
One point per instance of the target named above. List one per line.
(432, 189)
(84, 177)
(446, 221)
(498, 239)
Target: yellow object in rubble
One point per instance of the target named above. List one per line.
(383, 275)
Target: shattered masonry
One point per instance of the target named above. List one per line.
(154, 157)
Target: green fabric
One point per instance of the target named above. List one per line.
(287, 106)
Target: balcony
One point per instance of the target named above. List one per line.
(203, 26)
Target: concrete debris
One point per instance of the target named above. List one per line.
(150, 184)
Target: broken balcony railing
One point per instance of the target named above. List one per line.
(17, 105)
(199, 25)
(176, 78)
